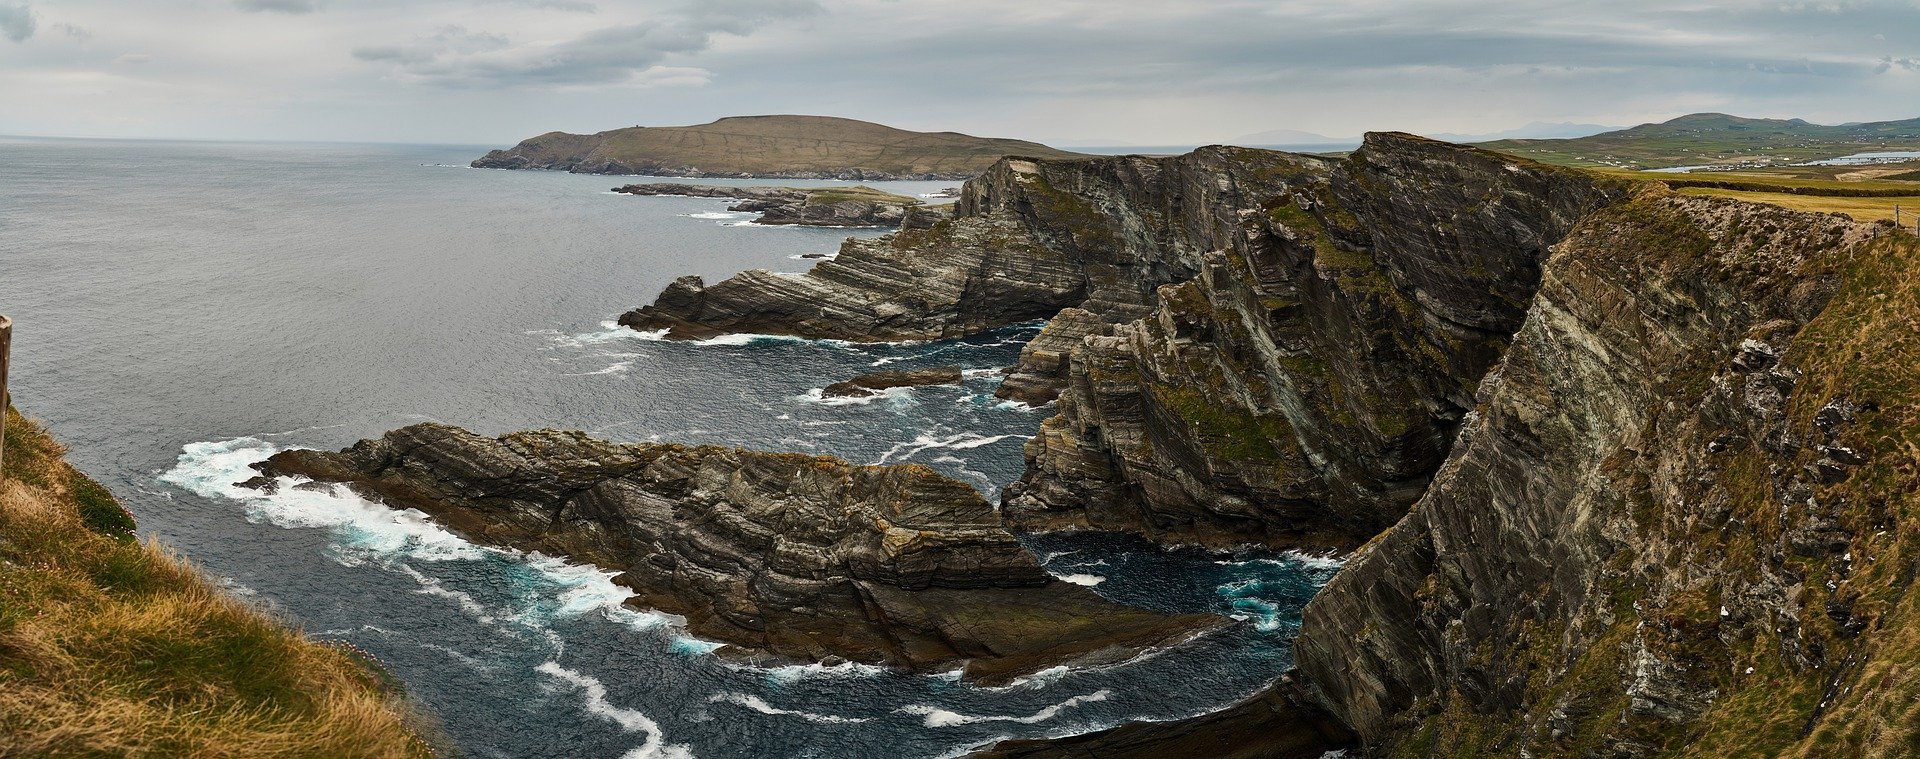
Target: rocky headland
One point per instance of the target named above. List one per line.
(802, 557)
(767, 147)
(857, 206)
(1626, 472)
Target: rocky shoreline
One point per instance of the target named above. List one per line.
(793, 556)
(858, 206)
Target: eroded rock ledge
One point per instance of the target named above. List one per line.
(805, 557)
(858, 206)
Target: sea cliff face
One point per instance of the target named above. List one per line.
(1674, 522)
(1247, 346)
(805, 557)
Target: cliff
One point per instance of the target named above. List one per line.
(1676, 521)
(805, 557)
(787, 147)
(1632, 469)
(1248, 346)
(113, 647)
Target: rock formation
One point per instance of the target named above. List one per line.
(1659, 450)
(801, 556)
(1254, 346)
(858, 206)
(874, 383)
(1675, 521)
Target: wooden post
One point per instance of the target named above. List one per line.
(6, 346)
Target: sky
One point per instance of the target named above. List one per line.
(1067, 72)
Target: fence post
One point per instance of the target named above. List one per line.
(6, 346)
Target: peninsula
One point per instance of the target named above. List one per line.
(775, 147)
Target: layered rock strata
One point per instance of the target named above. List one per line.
(804, 557)
(1260, 347)
(1676, 522)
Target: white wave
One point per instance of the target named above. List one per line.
(818, 395)
(792, 672)
(214, 469)
(1022, 405)
(585, 588)
(630, 720)
(619, 367)
(1308, 560)
(958, 442)
(1048, 559)
(1040, 679)
(934, 716)
(970, 373)
(431, 586)
(755, 703)
(713, 215)
(1084, 580)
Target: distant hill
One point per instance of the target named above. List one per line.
(788, 147)
(1716, 138)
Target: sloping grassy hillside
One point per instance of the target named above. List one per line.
(1708, 138)
(114, 647)
(768, 146)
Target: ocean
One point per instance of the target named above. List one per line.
(185, 309)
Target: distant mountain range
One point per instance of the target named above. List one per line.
(791, 147)
(1717, 138)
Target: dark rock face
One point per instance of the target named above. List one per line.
(1305, 385)
(1634, 516)
(876, 382)
(1260, 347)
(829, 207)
(800, 556)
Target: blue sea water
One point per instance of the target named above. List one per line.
(186, 309)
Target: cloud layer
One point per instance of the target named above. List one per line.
(1068, 71)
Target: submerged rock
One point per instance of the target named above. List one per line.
(806, 557)
(874, 383)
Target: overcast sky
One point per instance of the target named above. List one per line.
(1063, 71)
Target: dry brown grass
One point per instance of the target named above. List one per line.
(112, 647)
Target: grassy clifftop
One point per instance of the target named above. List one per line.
(114, 647)
(767, 146)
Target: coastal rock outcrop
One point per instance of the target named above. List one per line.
(1247, 346)
(857, 206)
(873, 383)
(804, 557)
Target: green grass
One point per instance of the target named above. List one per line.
(113, 647)
(859, 194)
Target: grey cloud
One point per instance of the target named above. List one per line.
(79, 33)
(277, 6)
(16, 21)
(604, 56)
